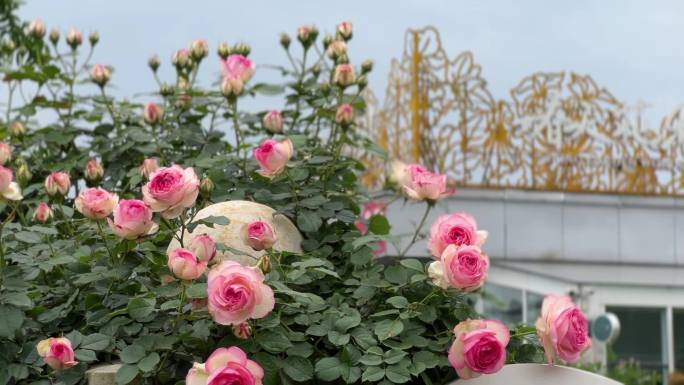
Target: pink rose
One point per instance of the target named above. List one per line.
(152, 113)
(93, 170)
(480, 347)
(242, 331)
(132, 219)
(259, 235)
(74, 38)
(100, 75)
(563, 330)
(422, 184)
(344, 75)
(273, 122)
(237, 67)
(148, 167)
(273, 156)
(96, 203)
(376, 207)
(57, 353)
(181, 58)
(237, 293)
(8, 188)
(344, 114)
(171, 190)
(57, 183)
(226, 366)
(185, 265)
(465, 267)
(203, 246)
(5, 153)
(43, 213)
(454, 229)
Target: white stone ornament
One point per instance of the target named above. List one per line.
(240, 214)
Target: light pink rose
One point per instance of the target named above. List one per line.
(480, 347)
(57, 353)
(336, 49)
(57, 183)
(344, 75)
(181, 58)
(100, 75)
(96, 203)
(465, 267)
(37, 28)
(422, 184)
(74, 38)
(273, 122)
(231, 86)
(273, 156)
(171, 190)
(375, 207)
(344, 114)
(93, 170)
(303, 33)
(226, 366)
(5, 153)
(43, 213)
(237, 293)
(237, 67)
(132, 219)
(152, 113)
(203, 246)
(242, 331)
(8, 188)
(259, 235)
(344, 29)
(454, 229)
(148, 167)
(185, 265)
(199, 49)
(563, 329)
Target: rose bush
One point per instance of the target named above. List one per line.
(93, 190)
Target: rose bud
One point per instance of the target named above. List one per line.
(5, 153)
(56, 353)
(259, 235)
(93, 171)
(100, 75)
(304, 34)
(273, 156)
(327, 40)
(8, 189)
(17, 129)
(37, 29)
(148, 166)
(345, 114)
(185, 265)
(285, 40)
(132, 219)
(199, 49)
(242, 49)
(93, 38)
(54, 36)
(24, 174)
(206, 186)
(422, 184)
(265, 264)
(362, 82)
(57, 183)
(344, 75)
(153, 63)
(203, 246)
(152, 113)
(237, 66)
(224, 50)
(96, 203)
(43, 213)
(563, 329)
(316, 70)
(273, 122)
(242, 331)
(171, 190)
(366, 67)
(74, 38)
(325, 88)
(479, 348)
(181, 58)
(166, 90)
(344, 30)
(336, 49)
(231, 87)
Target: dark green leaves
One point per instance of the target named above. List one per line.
(140, 308)
(95, 341)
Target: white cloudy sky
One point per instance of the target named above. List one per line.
(631, 47)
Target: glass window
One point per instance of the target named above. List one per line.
(678, 328)
(642, 336)
(503, 303)
(534, 303)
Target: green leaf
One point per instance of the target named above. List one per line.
(132, 354)
(379, 225)
(126, 374)
(308, 221)
(298, 368)
(148, 363)
(388, 328)
(273, 342)
(85, 355)
(140, 308)
(18, 299)
(393, 356)
(96, 342)
(28, 237)
(396, 274)
(398, 374)
(373, 373)
(328, 369)
(398, 301)
(197, 290)
(412, 264)
(429, 359)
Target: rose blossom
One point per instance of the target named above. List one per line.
(397, 174)
(132, 219)
(344, 75)
(345, 114)
(422, 184)
(57, 353)
(152, 113)
(93, 170)
(57, 183)
(237, 293)
(336, 49)
(8, 188)
(5, 153)
(226, 366)
(465, 267)
(259, 235)
(273, 122)
(237, 67)
(148, 167)
(436, 274)
(454, 229)
(185, 265)
(96, 203)
(43, 213)
(562, 329)
(203, 246)
(171, 190)
(375, 207)
(273, 156)
(480, 347)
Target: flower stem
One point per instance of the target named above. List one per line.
(420, 227)
(523, 334)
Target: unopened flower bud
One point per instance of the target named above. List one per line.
(17, 129)
(93, 171)
(74, 38)
(166, 90)
(241, 49)
(206, 186)
(316, 70)
(93, 38)
(307, 35)
(54, 36)
(5, 153)
(231, 87)
(285, 40)
(57, 183)
(259, 235)
(344, 30)
(148, 166)
(342, 59)
(43, 213)
(8, 45)
(242, 330)
(223, 50)
(152, 113)
(345, 114)
(325, 88)
(344, 75)
(366, 67)
(264, 264)
(327, 40)
(24, 175)
(183, 101)
(362, 82)
(336, 49)
(273, 122)
(36, 29)
(181, 58)
(199, 49)
(153, 63)
(100, 75)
